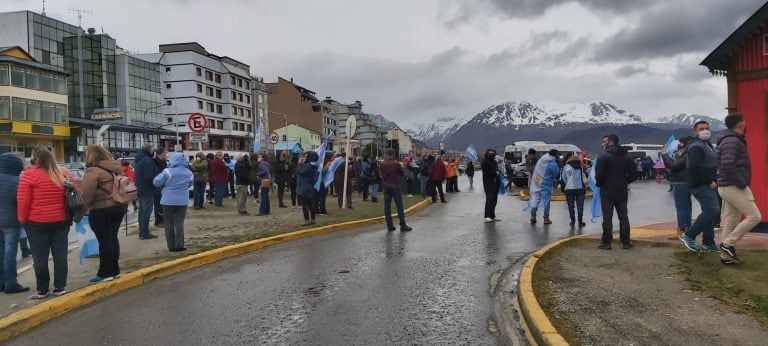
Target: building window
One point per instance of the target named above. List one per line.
(248, 99)
(4, 78)
(208, 75)
(169, 119)
(5, 106)
(199, 104)
(198, 71)
(261, 98)
(261, 112)
(241, 97)
(17, 77)
(250, 128)
(234, 110)
(218, 93)
(232, 81)
(169, 102)
(220, 125)
(200, 88)
(240, 82)
(208, 91)
(167, 85)
(167, 69)
(247, 85)
(210, 107)
(219, 109)
(248, 113)
(218, 78)
(234, 96)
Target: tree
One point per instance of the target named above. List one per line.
(394, 144)
(370, 149)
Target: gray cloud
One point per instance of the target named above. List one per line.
(627, 71)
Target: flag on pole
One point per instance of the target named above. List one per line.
(471, 152)
(332, 170)
(671, 146)
(89, 246)
(257, 137)
(320, 160)
(596, 207)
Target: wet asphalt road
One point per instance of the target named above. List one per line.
(429, 286)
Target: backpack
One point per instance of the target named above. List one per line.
(73, 202)
(123, 189)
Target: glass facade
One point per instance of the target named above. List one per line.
(46, 38)
(30, 78)
(99, 78)
(144, 91)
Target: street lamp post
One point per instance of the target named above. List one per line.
(144, 120)
(286, 123)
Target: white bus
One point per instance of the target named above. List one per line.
(516, 152)
(643, 150)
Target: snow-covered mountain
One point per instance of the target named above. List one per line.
(434, 133)
(687, 120)
(551, 114)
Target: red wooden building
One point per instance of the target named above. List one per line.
(743, 59)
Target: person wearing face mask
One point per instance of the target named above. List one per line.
(678, 179)
(614, 171)
(702, 182)
(733, 179)
(490, 169)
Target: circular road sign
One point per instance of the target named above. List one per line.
(351, 126)
(197, 122)
(274, 137)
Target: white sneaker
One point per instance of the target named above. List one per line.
(488, 220)
(410, 196)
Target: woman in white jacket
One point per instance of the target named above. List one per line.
(575, 182)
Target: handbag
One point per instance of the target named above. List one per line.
(266, 183)
(73, 202)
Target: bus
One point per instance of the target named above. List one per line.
(516, 152)
(642, 150)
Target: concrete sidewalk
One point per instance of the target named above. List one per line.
(661, 231)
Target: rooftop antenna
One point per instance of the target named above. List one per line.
(80, 15)
(44, 7)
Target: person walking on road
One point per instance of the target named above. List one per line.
(391, 174)
(162, 163)
(146, 170)
(42, 212)
(175, 182)
(242, 182)
(105, 214)
(702, 181)
(200, 172)
(306, 173)
(436, 177)
(678, 179)
(575, 181)
(219, 176)
(11, 166)
(471, 174)
(733, 180)
(545, 174)
(490, 170)
(614, 171)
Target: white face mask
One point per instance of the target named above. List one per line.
(705, 135)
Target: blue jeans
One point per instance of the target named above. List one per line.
(9, 244)
(397, 196)
(264, 205)
(146, 203)
(199, 194)
(219, 190)
(374, 190)
(423, 180)
(705, 223)
(682, 204)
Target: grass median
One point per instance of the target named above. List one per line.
(742, 288)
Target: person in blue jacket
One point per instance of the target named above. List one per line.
(11, 166)
(175, 182)
(306, 176)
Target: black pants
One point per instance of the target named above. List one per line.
(105, 223)
(280, 193)
(364, 185)
(292, 187)
(44, 239)
(308, 204)
(255, 187)
(340, 196)
(610, 200)
(491, 198)
(393, 195)
(433, 188)
(158, 209)
(209, 195)
(322, 195)
(232, 191)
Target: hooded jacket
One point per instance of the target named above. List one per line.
(614, 170)
(438, 170)
(702, 163)
(573, 175)
(10, 168)
(490, 169)
(734, 168)
(243, 172)
(175, 181)
(199, 168)
(470, 169)
(146, 170)
(219, 171)
(96, 187)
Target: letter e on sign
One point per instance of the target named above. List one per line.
(197, 122)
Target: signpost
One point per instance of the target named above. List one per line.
(197, 123)
(198, 137)
(350, 128)
(274, 137)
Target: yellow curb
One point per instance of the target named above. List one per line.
(535, 320)
(26, 319)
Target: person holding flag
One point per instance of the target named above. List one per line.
(542, 184)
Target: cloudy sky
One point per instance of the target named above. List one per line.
(420, 60)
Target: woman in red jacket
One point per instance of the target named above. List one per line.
(40, 200)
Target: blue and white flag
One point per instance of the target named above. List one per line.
(596, 207)
(671, 146)
(471, 152)
(89, 246)
(257, 136)
(320, 161)
(332, 170)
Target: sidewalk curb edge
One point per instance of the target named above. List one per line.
(28, 318)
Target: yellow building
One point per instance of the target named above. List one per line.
(33, 104)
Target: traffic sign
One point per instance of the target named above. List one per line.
(198, 137)
(351, 126)
(274, 137)
(197, 122)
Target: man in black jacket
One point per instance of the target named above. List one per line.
(242, 181)
(678, 179)
(614, 171)
(146, 170)
(733, 179)
(161, 163)
(490, 168)
(702, 181)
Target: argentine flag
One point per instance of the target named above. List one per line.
(471, 152)
(596, 207)
(320, 161)
(89, 246)
(671, 146)
(332, 170)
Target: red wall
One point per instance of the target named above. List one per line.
(750, 55)
(751, 101)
